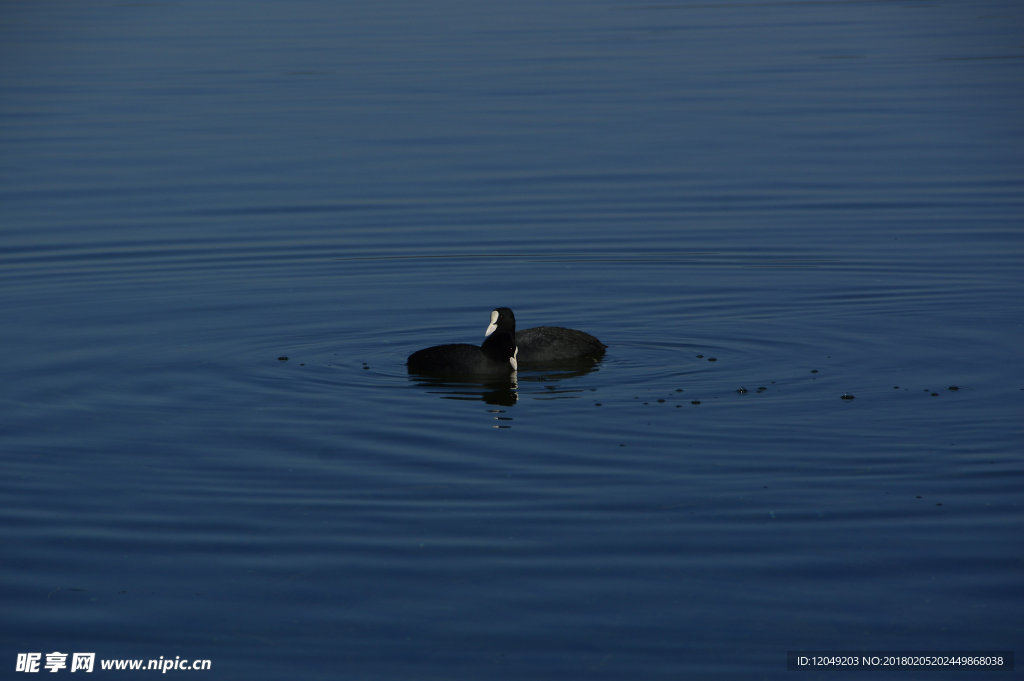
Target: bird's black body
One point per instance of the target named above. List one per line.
(554, 344)
(505, 350)
(495, 357)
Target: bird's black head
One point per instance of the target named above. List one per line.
(500, 342)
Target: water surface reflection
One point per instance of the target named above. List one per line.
(505, 391)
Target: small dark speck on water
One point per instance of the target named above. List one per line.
(282, 358)
(954, 387)
(814, 371)
(695, 402)
(846, 396)
(679, 390)
(712, 359)
(741, 390)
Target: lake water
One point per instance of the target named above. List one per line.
(762, 208)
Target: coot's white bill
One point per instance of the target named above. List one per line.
(493, 325)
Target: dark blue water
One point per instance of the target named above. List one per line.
(760, 207)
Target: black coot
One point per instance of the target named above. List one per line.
(554, 345)
(496, 357)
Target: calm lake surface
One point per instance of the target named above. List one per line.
(765, 209)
